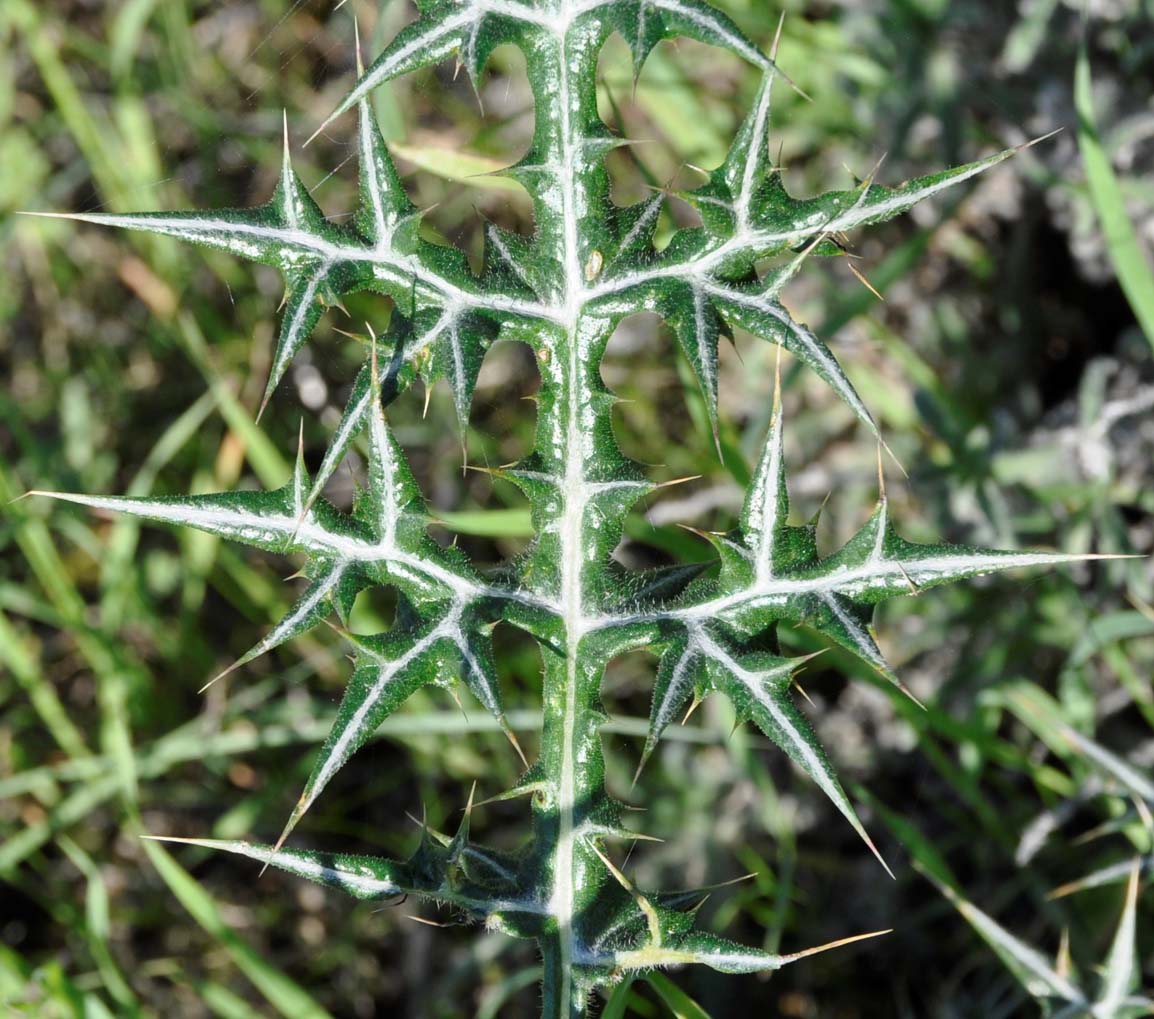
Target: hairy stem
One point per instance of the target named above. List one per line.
(570, 425)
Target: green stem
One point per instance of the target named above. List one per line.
(573, 433)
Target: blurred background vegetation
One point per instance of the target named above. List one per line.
(1006, 365)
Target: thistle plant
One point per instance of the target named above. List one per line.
(563, 290)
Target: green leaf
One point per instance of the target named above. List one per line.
(759, 313)
(720, 954)
(433, 872)
(618, 1002)
(1053, 989)
(643, 23)
(1028, 966)
(1134, 272)
(389, 669)
(265, 520)
(687, 308)
(758, 686)
(1114, 873)
(312, 606)
(282, 993)
(841, 211)
(444, 29)
(363, 877)
(495, 523)
(680, 1003)
(1123, 970)
(1130, 777)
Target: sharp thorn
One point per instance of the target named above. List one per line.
(440, 925)
(861, 278)
(313, 137)
(456, 696)
(352, 336)
(841, 942)
(679, 481)
(512, 794)
(777, 38)
(645, 754)
(801, 690)
(693, 706)
(893, 456)
(914, 589)
(512, 738)
(298, 812)
(220, 675)
(336, 627)
(1035, 141)
(873, 174)
(1062, 964)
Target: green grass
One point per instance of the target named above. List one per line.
(1130, 263)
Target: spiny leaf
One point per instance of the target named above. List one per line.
(392, 503)
(384, 207)
(700, 948)
(688, 309)
(676, 677)
(265, 520)
(356, 412)
(761, 314)
(517, 259)
(765, 512)
(781, 221)
(363, 877)
(443, 644)
(771, 571)
(388, 670)
(429, 873)
(776, 572)
(462, 340)
(302, 311)
(644, 23)
(636, 226)
(309, 609)
(759, 689)
(728, 200)
(469, 29)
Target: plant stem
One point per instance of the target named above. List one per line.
(571, 422)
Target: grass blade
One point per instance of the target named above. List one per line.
(1134, 273)
(286, 996)
(680, 1004)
